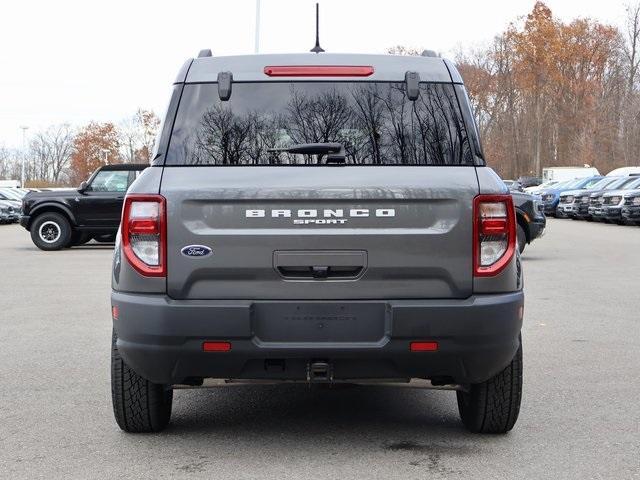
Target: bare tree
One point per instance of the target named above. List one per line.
(7, 162)
(632, 45)
(137, 135)
(50, 153)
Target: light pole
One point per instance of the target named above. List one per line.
(24, 129)
(106, 156)
(257, 39)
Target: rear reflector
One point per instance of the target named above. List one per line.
(318, 71)
(424, 346)
(115, 312)
(216, 346)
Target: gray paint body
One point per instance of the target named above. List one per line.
(411, 272)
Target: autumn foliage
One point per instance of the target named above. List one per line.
(548, 93)
(95, 145)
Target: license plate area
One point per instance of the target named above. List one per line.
(331, 322)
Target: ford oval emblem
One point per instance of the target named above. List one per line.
(196, 251)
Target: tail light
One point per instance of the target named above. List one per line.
(494, 234)
(144, 234)
(318, 71)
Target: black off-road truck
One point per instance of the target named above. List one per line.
(66, 218)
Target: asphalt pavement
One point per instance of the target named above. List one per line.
(580, 417)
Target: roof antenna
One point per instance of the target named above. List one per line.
(317, 48)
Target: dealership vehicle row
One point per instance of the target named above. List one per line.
(614, 198)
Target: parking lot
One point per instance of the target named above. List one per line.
(580, 416)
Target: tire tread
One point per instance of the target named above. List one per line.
(138, 404)
(493, 406)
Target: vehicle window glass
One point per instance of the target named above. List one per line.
(575, 183)
(614, 184)
(110, 181)
(601, 184)
(626, 182)
(633, 184)
(374, 122)
(591, 183)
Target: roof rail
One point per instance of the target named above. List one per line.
(204, 53)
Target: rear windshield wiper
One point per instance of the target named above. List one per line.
(334, 151)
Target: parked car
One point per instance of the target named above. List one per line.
(590, 206)
(8, 212)
(513, 185)
(527, 182)
(570, 199)
(11, 200)
(530, 218)
(13, 193)
(551, 196)
(66, 218)
(613, 201)
(4, 214)
(631, 207)
(535, 190)
(290, 260)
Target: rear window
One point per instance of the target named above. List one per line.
(374, 122)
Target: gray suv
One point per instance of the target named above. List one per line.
(317, 218)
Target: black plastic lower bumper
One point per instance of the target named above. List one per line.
(24, 221)
(162, 339)
(536, 227)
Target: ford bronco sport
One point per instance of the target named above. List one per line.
(317, 218)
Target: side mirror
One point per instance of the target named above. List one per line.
(83, 186)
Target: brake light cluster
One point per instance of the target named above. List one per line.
(144, 234)
(318, 70)
(494, 234)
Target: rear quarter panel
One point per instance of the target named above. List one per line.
(124, 278)
(511, 278)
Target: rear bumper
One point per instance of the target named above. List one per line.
(161, 338)
(536, 227)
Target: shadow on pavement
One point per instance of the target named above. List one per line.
(301, 412)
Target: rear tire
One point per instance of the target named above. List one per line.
(522, 238)
(138, 405)
(51, 231)
(493, 406)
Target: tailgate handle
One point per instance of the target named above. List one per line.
(321, 272)
(320, 265)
